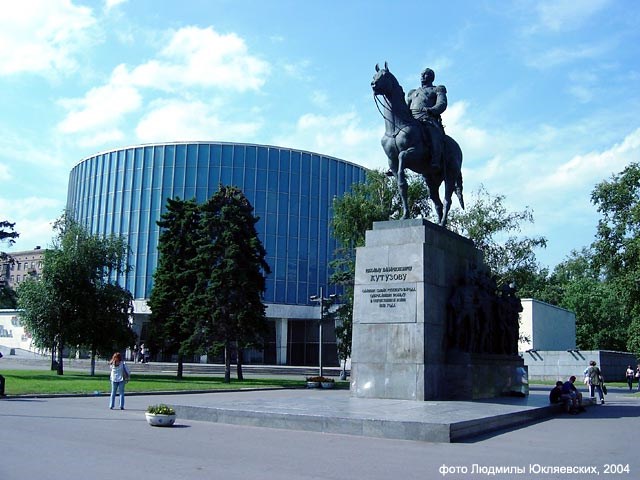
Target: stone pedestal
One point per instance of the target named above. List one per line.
(404, 277)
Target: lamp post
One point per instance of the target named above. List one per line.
(321, 301)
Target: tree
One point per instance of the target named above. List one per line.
(231, 266)
(7, 234)
(617, 244)
(172, 323)
(494, 230)
(8, 297)
(577, 286)
(76, 302)
(40, 314)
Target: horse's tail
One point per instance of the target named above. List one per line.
(456, 161)
(458, 189)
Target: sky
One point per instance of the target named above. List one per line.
(544, 96)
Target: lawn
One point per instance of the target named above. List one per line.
(39, 382)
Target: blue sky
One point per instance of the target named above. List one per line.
(544, 96)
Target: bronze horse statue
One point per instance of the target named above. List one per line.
(406, 146)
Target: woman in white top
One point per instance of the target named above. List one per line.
(119, 374)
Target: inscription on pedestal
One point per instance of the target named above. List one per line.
(386, 296)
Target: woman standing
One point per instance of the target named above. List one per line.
(595, 381)
(119, 374)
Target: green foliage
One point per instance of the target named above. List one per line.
(7, 234)
(76, 301)
(172, 323)
(230, 266)
(375, 200)
(160, 409)
(40, 312)
(617, 246)
(497, 232)
(600, 283)
(8, 297)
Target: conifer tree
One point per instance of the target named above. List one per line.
(172, 323)
(231, 267)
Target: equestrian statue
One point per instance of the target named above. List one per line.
(414, 138)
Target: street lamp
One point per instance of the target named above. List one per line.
(322, 302)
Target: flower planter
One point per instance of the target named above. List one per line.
(313, 384)
(327, 384)
(158, 420)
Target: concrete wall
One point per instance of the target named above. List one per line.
(546, 326)
(560, 365)
(12, 334)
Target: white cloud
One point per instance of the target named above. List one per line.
(102, 137)
(100, 106)
(31, 223)
(110, 4)
(584, 171)
(43, 36)
(564, 15)
(5, 174)
(553, 57)
(181, 120)
(201, 57)
(193, 58)
(339, 135)
(476, 143)
(17, 147)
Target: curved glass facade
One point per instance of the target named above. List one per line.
(124, 191)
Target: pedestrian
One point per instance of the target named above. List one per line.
(638, 376)
(1, 382)
(143, 351)
(595, 381)
(630, 375)
(135, 353)
(119, 376)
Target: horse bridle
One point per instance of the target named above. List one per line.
(392, 120)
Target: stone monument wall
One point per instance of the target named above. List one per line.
(405, 275)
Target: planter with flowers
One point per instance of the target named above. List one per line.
(327, 382)
(313, 382)
(317, 382)
(160, 415)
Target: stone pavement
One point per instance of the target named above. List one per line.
(61, 438)
(335, 411)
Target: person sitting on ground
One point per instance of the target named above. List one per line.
(570, 391)
(556, 393)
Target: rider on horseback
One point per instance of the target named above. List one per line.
(427, 103)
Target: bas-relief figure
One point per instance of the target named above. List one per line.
(482, 318)
(414, 138)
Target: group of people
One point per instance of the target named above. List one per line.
(633, 375)
(141, 354)
(571, 397)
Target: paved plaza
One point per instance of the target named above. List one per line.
(79, 437)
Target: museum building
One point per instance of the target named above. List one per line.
(124, 191)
